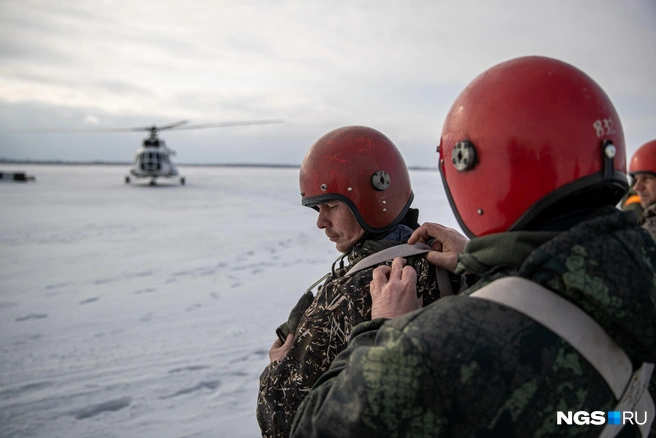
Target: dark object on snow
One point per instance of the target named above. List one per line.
(16, 176)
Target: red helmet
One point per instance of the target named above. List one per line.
(523, 135)
(362, 168)
(644, 160)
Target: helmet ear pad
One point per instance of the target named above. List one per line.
(535, 130)
(362, 168)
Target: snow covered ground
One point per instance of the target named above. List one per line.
(140, 311)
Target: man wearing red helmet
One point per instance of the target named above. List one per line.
(642, 169)
(358, 182)
(559, 329)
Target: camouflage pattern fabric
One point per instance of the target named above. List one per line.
(649, 220)
(466, 367)
(322, 332)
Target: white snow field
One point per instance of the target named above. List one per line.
(141, 311)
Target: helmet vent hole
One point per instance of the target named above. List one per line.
(463, 156)
(381, 180)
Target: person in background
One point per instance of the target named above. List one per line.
(642, 169)
(358, 182)
(532, 158)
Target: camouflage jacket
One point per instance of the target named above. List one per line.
(649, 220)
(322, 332)
(466, 367)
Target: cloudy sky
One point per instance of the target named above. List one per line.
(394, 65)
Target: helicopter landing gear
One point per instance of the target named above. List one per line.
(182, 180)
(127, 180)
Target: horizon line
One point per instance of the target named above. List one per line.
(129, 163)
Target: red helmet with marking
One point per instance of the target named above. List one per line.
(644, 159)
(362, 168)
(522, 137)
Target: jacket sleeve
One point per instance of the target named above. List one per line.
(374, 388)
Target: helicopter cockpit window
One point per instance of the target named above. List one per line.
(151, 161)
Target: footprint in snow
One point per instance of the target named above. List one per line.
(182, 273)
(189, 368)
(144, 291)
(15, 392)
(210, 384)
(141, 274)
(57, 286)
(93, 410)
(31, 316)
(103, 281)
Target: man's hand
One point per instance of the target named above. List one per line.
(448, 244)
(279, 350)
(394, 290)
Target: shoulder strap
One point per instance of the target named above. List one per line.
(404, 250)
(586, 336)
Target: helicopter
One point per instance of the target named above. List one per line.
(153, 159)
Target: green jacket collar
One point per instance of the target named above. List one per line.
(503, 250)
(509, 250)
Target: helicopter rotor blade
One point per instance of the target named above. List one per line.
(176, 126)
(228, 124)
(145, 128)
(170, 126)
(48, 131)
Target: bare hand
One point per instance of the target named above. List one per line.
(279, 350)
(394, 290)
(448, 244)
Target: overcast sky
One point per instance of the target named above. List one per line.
(393, 65)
